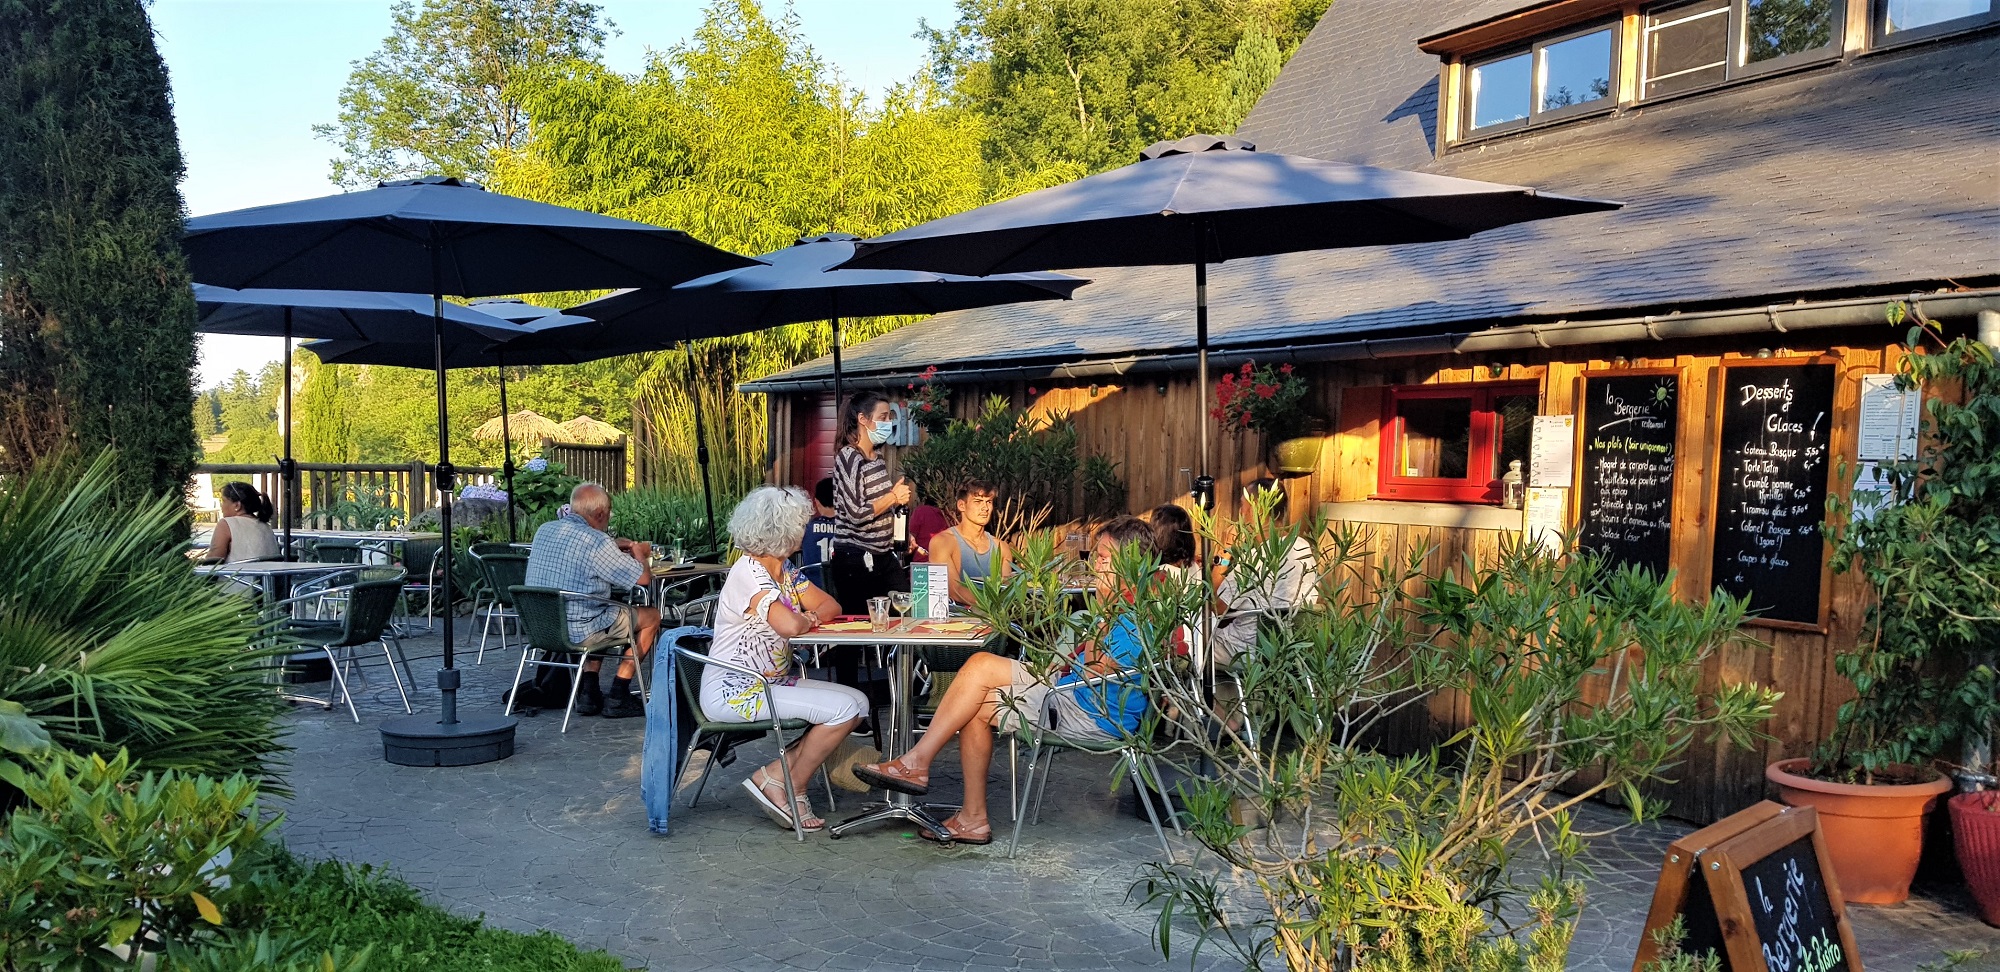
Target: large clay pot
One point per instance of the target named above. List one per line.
(1975, 828)
(1873, 833)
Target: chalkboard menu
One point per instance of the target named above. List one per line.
(1627, 495)
(1771, 480)
(1753, 890)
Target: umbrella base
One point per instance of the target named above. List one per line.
(421, 740)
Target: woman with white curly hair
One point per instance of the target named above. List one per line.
(764, 604)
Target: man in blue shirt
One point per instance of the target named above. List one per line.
(576, 552)
(991, 691)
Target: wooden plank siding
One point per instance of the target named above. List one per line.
(1147, 424)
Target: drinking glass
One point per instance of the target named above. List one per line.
(676, 552)
(878, 613)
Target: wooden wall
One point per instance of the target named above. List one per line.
(1147, 424)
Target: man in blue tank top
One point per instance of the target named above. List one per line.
(971, 554)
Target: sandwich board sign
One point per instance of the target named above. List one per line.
(1756, 889)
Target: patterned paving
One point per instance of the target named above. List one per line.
(556, 838)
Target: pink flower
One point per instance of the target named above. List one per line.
(1246, 420)
(932, 370)
(911, 386)
(1216, 412)
(927, 406)
(1032, 391)
(1246, 369)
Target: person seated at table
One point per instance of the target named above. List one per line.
(244, 530)
(1173, 538)
(575, 552)
(1246, 592)
(821, 532)
(926, 522)
(972, 554)
(763, 605)
(991, 691)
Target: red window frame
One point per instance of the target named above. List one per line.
(1480, 451)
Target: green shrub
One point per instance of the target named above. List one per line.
(104, 856)
(660, 515)
(327, 904)
(1037, 464)
(110, 641)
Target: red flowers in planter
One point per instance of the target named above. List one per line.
(1263, 399)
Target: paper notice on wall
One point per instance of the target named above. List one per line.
(1872, 492)
(1552, 452)
(1546, 517)
(1889, 417)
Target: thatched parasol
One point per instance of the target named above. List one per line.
(524, 426)
(590, 431)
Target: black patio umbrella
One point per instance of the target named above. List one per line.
(347, 314)
(441, 236)
(476, 351)
(1205, 199)
(798, 283)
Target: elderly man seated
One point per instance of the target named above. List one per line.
(994, 691)
(575, 552)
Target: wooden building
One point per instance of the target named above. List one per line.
(1703, 363)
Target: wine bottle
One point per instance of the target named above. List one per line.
(899, 533)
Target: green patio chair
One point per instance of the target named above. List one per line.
(502, 572)
(370, 603)
(1045, 741)
(544, 616)
(688, 668)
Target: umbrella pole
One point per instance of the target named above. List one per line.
(700, 445)
(506, 445)
(837, 391)
(448, 677)
(1204, 483)
(288, 471)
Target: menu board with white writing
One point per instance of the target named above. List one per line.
(1626, 505)
(1777, 421)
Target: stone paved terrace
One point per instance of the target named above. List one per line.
(556, 838)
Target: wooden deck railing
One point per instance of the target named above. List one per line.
(408, 489)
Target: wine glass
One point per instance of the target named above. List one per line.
(900, 600)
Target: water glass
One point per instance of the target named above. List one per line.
(878, 614)
(676, 552)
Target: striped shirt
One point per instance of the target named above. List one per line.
(858, 482)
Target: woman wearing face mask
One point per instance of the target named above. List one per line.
(863, 498)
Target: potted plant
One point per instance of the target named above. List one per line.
(929, 401)
(1271, 400)
(1923, 668)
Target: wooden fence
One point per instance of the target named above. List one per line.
(603, 464)
(408, 489)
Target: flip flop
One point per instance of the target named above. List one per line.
(764, 802)
(952, 835)
(890, 776)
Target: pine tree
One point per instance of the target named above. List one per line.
(324, 432)
(96, 312)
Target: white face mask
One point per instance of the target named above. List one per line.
(882, 432)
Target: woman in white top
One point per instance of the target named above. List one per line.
(764, 604)
(244, 532)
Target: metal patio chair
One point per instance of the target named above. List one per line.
(544, 614)
(688, 669)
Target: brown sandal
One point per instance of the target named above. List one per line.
(977, 837)
(892, 776)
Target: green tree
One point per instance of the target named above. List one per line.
(96, 312)
(439, 96)
(746, 139)
(250, 415)
(1071, 87)
(325, 431)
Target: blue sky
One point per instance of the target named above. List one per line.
(251, 78)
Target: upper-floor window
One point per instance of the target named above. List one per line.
(1564, 74)
(1694, 45)
(1929, 16)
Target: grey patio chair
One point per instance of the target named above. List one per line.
(1042, 739)
(544, 614)
(688, 669)
(502, 572)
(477, 591)
(370, 603)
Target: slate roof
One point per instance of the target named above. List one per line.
(1878, 174)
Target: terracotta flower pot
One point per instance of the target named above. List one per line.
(1975, 828)
(1873, 833)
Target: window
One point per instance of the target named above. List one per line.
(1452, 443)
(1694, 45)
(1926, 17)
(1562, 75)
